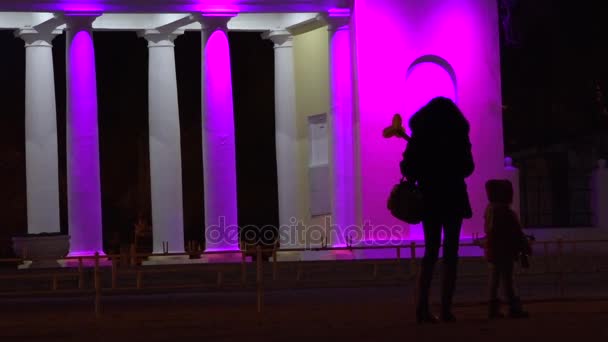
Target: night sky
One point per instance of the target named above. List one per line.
(548, 80)
(548, 94)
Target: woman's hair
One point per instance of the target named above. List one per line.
(439, 119)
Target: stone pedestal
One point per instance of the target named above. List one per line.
(42, 250)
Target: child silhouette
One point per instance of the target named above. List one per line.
(504, 243)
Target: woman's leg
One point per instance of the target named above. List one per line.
(451, 242)
(432, 241)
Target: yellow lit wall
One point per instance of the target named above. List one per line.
(312, 97)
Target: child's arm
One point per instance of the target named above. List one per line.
(518, 233)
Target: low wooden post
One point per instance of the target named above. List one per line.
(139, 279)
(413, 265)
(398, 261)
(260, 278)
(55, 284)
(114, 272)
(275, 265)
(546, 256)
(560, 247)
(220, 279)
(299, 272)
(132, 255)
(97, 282)
(80, 274)
(243, 268)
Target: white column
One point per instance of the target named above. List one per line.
(165, 148)
(42, 177)
(286, 136)
(341, 126)
(513, 176)
(219, 155)
(83, 173)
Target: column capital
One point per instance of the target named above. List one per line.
(338, 18)
(280, 38)
(34, 37)
(214, 21)
(78, 20)
(157, 38)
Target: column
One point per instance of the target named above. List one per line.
(42, 177)
(165, 148)
(286, 135)
(219, 158)
(512, 174)
(84, 185)
(341, 127)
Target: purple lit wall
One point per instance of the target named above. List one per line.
(219, 159)
(84, 186)
(408, 52)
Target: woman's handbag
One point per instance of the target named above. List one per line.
(405, 202)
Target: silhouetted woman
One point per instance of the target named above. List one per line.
(438, 157)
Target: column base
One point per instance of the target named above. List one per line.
(223, 249)
(169, 260)
(86, 254)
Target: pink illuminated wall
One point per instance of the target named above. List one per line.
(408, 52)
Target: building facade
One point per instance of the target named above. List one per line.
(342, 69)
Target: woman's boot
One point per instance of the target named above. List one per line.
(425, 275)
(448, 286)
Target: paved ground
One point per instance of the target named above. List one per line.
(364, 314)
(354, 309)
